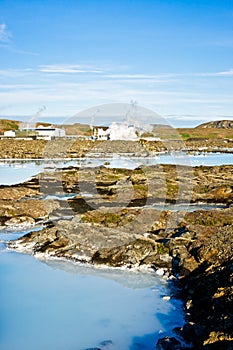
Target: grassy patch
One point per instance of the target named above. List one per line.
(120, 218)
(185, 136)
(162, 249)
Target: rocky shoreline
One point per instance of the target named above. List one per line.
(104, 228)
(68, 148)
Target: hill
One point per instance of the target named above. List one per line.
(71, 129)
(219, 124)
(77, 129)
(6, 124)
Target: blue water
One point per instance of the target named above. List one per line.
(63, 306)
(16, 171)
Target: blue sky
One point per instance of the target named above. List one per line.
(174, 57)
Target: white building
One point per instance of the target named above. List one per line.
(9, 133)
(49, 132)
(100, 133)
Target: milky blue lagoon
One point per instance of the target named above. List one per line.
(63, 306)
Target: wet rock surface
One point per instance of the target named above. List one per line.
(208, 292)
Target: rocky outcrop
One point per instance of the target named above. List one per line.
(25, 213)
(119, 190)
(16, 192)
(65, 148)
(144, 185)
(93, 244)
(208, 294)
(218, 124)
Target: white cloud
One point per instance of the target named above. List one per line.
(66, 88)
(197, 117)
(69, 68)
(228, 73)
(5, 35)
(140, 76)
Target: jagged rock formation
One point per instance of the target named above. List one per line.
(219, 124)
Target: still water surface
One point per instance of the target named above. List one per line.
(16, 171)
(62, 306)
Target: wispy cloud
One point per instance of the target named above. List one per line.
(15, 73)
(140, 76)
(106, 72)
(5, 35)
(65, 87)
(7, 44)
(69, 68)
(228, 73)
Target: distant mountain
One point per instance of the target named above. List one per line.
(219, 124)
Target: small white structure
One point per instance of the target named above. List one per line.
(100, 133)
(49, 132)
(9, 133)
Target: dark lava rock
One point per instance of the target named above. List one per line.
(208, 292)
(168, 344)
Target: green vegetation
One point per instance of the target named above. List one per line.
(148, 134)
(162, 249)
(70, 172)
(141, 190)
(209, 133)
(108, 177)
(120, 218)
(185, 136)
(25, 133)
(210, 218)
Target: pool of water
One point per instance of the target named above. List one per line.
(64, 306)
(16, 171)
(186, 207)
